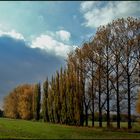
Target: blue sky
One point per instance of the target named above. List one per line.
(35, 36)
(34, 18)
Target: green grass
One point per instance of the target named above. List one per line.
(10, 128)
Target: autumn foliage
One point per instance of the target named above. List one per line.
(19, 103)
(101, 76)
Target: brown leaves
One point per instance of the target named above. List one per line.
(18, 104)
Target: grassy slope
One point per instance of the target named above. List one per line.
(10, 128)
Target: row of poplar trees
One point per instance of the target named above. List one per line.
(101, 76)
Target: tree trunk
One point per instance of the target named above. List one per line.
(100, 108)
(118, 105)
(92, 98)
(129, 100)
(107, 72)
(82, 92)
(86, 112)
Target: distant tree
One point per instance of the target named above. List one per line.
(70, 95)
(63, 96)
(53, 100)
(50, 101)
(36, 101)
(18, 104)
(44, 102)
(25, 102)
(76, 85)
(59, 106)
(10, 106)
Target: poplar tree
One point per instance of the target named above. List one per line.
(63, 96)
(36, 101)
(45, 99)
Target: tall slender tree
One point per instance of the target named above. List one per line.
(36, 101)
(44, 102)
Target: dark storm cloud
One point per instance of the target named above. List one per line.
(21, 64)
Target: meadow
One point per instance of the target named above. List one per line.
(22, 129)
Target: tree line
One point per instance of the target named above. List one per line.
(23, 102)
(101, 76)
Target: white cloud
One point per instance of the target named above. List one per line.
(63, 35)
(51, 45)
(55, 43)
(98, 13)
(12, 34)
(87, 5)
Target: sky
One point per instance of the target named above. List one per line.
(36, 36)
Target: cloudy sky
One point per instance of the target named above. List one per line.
(35, 37)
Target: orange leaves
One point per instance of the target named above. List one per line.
(18, 104)
(25, 104)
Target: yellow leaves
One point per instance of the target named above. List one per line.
(19, 103)
(25, 104)
(10, 106)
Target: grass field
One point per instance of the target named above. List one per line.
(10, 128)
